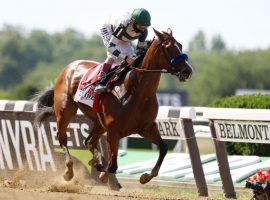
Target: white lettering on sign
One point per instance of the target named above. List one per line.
(53, 129)
(15, 139)
(242, 131)
(75, 127)
(45, 150)
(21, 132)
(170, 128)
(4, 148)
(19, 141)
(85, 130)
(29, 144)
(73, 134)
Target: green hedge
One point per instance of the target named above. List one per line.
(256, 101)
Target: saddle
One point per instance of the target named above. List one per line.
(116, 75)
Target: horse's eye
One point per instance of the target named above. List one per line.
(167, 46)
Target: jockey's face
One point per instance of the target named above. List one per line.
(139, 28)
(142, 28)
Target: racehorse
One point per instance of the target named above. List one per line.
(136, 115)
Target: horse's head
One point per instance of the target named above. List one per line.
(170, 56)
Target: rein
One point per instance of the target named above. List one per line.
(149, 70)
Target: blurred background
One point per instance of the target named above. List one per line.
(228, 43)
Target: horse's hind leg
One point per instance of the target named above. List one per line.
(152, 134)
(64, 111)
(92, 142)
(113, 145)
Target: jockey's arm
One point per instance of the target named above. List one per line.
(141, 45)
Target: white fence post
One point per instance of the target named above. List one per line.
(223, 164)
(186, 116)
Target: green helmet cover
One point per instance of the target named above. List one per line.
(141, 16)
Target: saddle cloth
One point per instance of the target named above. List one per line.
(85, 92)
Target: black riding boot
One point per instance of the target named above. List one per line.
(101, 86)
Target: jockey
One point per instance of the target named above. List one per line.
(117, 35)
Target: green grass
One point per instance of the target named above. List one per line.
(83, 155)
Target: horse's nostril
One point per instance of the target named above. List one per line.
(187, 71)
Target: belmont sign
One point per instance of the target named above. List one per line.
(242, 131)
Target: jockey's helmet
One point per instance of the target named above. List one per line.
(141, 16)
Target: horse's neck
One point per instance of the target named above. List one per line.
(145, 84)
(148, 82)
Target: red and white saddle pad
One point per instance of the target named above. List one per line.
(85, 92)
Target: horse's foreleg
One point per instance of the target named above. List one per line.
(152, 134)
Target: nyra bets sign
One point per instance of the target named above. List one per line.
(22, 146)
(242, 131)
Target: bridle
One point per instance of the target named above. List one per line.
(171, 61)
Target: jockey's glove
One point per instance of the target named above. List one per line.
(130, 59)
(140, 51)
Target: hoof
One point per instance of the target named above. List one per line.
(115, 187)
(145, 178)
(103, 177)
(68, 175)
(113, 182)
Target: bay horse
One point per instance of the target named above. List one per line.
(119, 120)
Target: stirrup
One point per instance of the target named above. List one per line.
(99, 89)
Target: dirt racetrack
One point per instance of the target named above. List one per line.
(23, 185)
(28, 194)
(73, 191)
(29, 185)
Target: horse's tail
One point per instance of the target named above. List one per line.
(45, 103)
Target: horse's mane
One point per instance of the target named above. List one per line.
(141, 55)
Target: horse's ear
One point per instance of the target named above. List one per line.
(159, 35)
(169, 31)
